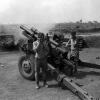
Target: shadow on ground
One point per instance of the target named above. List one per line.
(82, 74)
(90, 65)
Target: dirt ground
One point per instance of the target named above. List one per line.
(14, 87)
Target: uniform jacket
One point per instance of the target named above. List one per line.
(41, 49)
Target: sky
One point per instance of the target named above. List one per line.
(48, 11)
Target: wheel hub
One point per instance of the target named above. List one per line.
(26, 66)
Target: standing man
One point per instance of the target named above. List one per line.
(74, 51)
(41, 53)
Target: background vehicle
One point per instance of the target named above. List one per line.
(7, 41)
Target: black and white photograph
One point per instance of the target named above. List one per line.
(49, 50)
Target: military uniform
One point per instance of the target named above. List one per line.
(73, 54)
(42, 50)
(74, 49)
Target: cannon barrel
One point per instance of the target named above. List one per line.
(28, 33)
(33, 33)
(27, 30)
(56, 45)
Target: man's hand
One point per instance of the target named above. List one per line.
(35, 45)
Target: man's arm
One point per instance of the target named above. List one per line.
(35, 45)
(68, 43)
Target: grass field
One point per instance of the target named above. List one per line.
(93, 41)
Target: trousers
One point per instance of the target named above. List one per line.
(40, 63)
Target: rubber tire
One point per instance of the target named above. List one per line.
(31, 59)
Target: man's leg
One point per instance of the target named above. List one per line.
(44, 69)
(76, 53)
(37, 70)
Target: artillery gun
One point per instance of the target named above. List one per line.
(57, 56)
(57, 63)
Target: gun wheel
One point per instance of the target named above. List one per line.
(26, 67)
